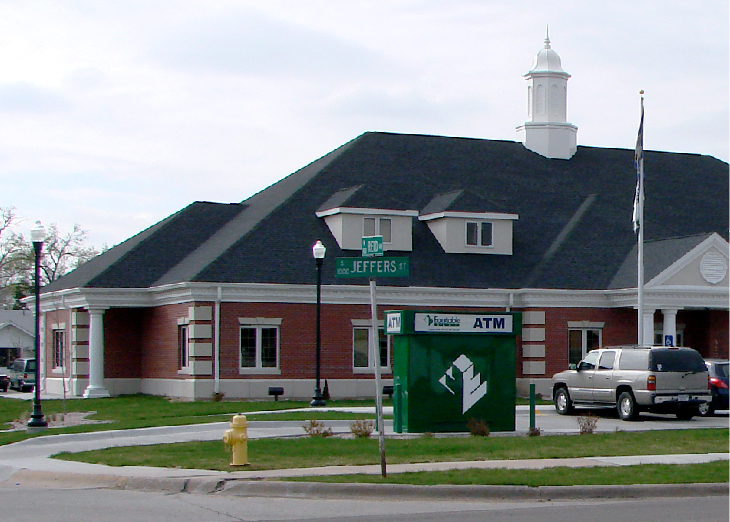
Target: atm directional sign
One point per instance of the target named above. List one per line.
(371, 267)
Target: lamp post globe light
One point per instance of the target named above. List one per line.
(318, 251)
(37, 236)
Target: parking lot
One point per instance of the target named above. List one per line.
(549, 422)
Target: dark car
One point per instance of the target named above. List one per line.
(4, 382)
(718, 370)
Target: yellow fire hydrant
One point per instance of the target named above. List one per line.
(237, 439)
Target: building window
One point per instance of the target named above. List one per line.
(378, 227)
(59, 338)
(478, 233)
(581, 341)
(259, 346)
(183, 348)
(361, 353)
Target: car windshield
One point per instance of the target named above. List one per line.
(30, 366)
(677, 361)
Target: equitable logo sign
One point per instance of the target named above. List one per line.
(463, 323)
(473, 389)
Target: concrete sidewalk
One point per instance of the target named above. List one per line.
(29, 460)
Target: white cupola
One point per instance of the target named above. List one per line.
(546, 130)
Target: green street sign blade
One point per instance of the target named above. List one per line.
(372, 246)
(371, 267)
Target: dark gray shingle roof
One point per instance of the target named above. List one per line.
(574, 229)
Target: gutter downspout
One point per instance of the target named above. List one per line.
(217, 342)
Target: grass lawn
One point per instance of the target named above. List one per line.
(143, 411)
(316, 451)
(619, 475)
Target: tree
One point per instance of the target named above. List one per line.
(11, 251)
(61, 255)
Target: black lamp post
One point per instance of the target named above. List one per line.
(318, 251)
(37, 235)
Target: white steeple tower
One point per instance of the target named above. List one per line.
(546, 130)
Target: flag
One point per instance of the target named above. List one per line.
(639, 166)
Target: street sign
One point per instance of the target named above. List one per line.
(372, 246)
(370, 267)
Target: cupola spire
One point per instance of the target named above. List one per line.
(547, 131)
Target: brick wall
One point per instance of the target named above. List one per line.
(123, 342)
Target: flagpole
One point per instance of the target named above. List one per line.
(639, 158)
(640, 282)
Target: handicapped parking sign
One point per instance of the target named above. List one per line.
(668, 340)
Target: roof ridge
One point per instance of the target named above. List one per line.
(258, 207)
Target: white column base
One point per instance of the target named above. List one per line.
(96, 392)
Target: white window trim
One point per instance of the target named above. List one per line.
(377, 228)
(185, 366)
(259, 323)
(584, 329)
(479, 234)
(58, 328)
(365, 324)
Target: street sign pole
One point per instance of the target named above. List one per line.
(375, 357)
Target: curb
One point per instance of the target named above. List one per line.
(264, 488)
(448, 493)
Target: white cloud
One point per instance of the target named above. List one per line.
(118, 113)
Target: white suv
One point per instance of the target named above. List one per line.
(635, 378)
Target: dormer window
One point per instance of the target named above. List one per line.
(349, 225)
(378, 227)
(479, 233)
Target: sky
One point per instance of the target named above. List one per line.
(116, 114)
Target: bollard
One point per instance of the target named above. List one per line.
(532, 407)
(237, 439)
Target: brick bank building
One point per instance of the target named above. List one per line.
(221, 297)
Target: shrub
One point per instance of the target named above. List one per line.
(587, 423)
(478, 427)
(218, 396)
(362, 429)
(534, 432)
(315, 428)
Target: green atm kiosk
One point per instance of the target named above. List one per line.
(450, 367)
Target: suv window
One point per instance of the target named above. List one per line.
(607, 361)
(24, 365)
(634, 360)
(589, 363)
(676, 361)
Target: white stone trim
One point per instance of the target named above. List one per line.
(200, 331)
(533, 367)
(427, 297)
(198, 349)
(533, 350)
(533, 317)
(79, 335)
(259, 321)
(533, 335)
(200, 313)
(586, 324)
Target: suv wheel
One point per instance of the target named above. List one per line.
(626, 406)
(563, 404)
(706, 409)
